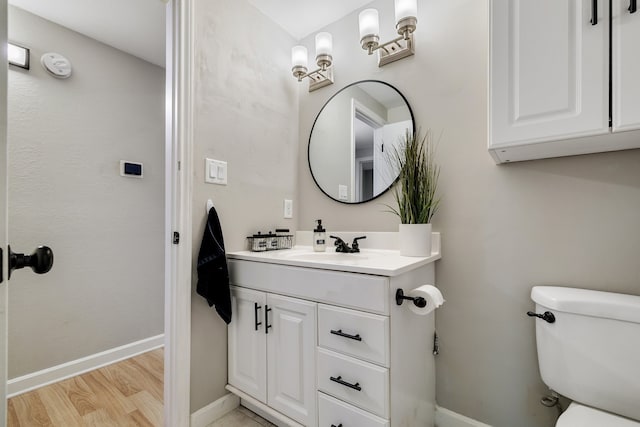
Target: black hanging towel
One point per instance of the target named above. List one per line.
(213, 275)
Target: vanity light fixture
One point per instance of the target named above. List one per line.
(18, 56)
(321, 77)
(398, 48)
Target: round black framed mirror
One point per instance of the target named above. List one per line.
(352, 137)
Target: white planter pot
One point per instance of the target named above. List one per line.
(415, 239)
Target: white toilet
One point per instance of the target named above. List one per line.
(589, 351)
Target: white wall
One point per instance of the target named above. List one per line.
(66, 138)
(246, 114)
(570, 221)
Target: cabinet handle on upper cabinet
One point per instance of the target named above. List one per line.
(340, 381)
(256, 307)
(633, 6)
(594, 12)
(339, 332)
(266, 319)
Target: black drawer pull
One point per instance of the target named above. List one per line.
(340, 381)
(339, 332)
(256, 307)
(339, 425)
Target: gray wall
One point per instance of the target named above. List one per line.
(568, 221)
(331, 148)
(246, 114)
(66, 138)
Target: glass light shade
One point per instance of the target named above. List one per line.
(369, 23)
(324, 44)
(406, 9)
(299, 56)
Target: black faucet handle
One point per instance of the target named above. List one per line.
(338, 240)
(341, 245)
(355, 246)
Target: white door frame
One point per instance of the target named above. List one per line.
(178, 210)
(3, 212)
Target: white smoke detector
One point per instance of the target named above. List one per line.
(56, 64)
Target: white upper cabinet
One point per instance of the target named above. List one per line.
(549, 91)
(626, 66)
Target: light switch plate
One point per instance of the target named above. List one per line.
(215, 171)
(343, 192)
(288, 208)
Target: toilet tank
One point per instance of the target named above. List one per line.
(591, 353)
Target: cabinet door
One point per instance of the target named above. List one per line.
(548, 71)
(291, 368)
(626, 66)
(247, 343)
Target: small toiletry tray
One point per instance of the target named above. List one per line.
(281, 239)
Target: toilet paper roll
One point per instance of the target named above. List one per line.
(432, 296)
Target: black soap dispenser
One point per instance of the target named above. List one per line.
(319, 238)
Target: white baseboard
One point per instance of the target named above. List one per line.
(215, 410)
(61, 372)
(447, 418)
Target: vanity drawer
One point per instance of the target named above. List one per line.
(352, 290)
(334, 412)
(360, 383)
(358, 334)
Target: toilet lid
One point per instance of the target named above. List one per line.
(583, 416)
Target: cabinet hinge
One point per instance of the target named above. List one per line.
(176, 237)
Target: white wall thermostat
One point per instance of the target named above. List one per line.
(130, 169)
(56, 64)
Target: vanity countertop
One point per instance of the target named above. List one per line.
(379, 262)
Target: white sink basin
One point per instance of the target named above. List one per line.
(326, 256)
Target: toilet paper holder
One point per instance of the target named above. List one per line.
(418, 301)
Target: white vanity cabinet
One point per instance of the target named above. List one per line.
(272, 351)
(549, 91)
(339, 350)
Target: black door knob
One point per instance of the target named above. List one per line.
(40, 261)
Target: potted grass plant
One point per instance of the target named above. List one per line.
(415, 191)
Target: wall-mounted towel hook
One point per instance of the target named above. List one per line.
(209, 205)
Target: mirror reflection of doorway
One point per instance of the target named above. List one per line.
(374, 138)
(364, 145)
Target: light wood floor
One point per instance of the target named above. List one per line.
(127, 393)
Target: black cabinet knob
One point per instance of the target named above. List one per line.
(40, 261)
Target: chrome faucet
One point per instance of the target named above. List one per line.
(342, 246)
